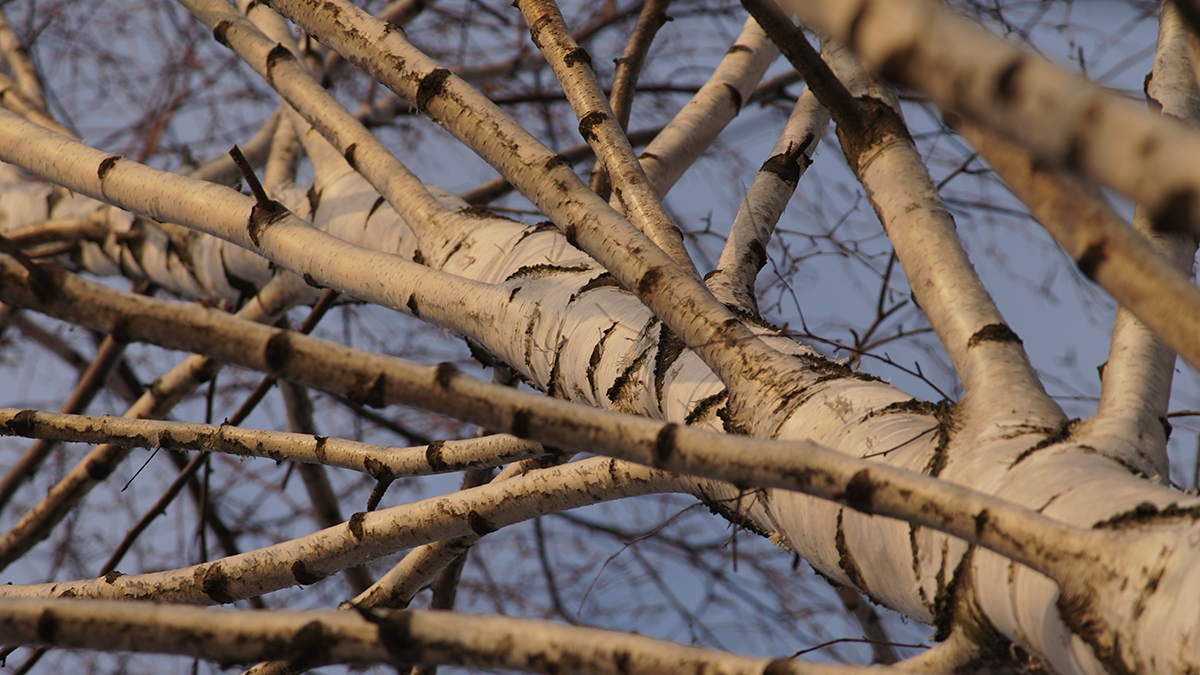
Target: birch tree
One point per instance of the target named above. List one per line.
(617, 352)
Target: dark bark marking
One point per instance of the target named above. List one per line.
(263, 216)
(670, 347)
(220, 30)
(553, 386)
(521, 420)
(535, 31)
(396, 636)
(913, 531)
(215, 584)
(431, 86)
(369, 391)
(735, 96)
(623, 387)
(484, 214)
(621, 660)
(120, 332)
(278, 53)
(738, 48)
(47, 626)
(433, 456)
(543, 270)
(947, 600)
(378, 470)
(589, 122)
(981, 521)
(24, 422)
(551, 164)
(418, 257)
(544, 226)
(106, 166)
(349, 155)
(529, 328)
(375, 207)
(1091, 260)
(786, 165)
(577, 56)
(911, 406)
(705, 406)
(278, 351)
(846, 561)
(732, 426)
(1059, 434)
(1006, 81)
(647, 155)
(756, 256)
(944, 413)
(664, 445)
(601, 281)
(860, 492)
(876, 124)
(719, 508)
(444, 375)
(314, 198)
(303, 576)
(649, 281)
(166, 441)
(993, 332)
(594, 359)
(480, 525)
(483, 356)
(412, 305)
(1176, 213)
(355, 525)
(309, 647)
(1147, 513)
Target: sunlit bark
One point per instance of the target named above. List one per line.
(1025, 538)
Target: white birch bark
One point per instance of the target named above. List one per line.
(1140, 367)
(745, 251)
(1025, 536)
(37, 523)
(1064, 120)
(379, 461)
(311, 639)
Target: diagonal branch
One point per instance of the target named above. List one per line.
(367, 536)
(1137, 377)
(724, 342)
(311, 639)
(806, 467)
(985, 352)
(377, 460)
(629, 66)
(601, 129)
(1064, 120)
(36, 524)
(694, 129)
(745, 251)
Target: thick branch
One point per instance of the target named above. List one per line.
(800, 466)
